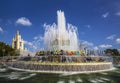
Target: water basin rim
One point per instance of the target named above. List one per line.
(63, 72)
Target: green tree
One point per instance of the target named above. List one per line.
(6, 50)
(113, 52)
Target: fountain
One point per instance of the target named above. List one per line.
(60, 38)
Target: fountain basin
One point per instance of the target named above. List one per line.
(61, 67)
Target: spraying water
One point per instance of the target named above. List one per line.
(60, 36)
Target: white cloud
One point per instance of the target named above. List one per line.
(30, 46)
(111, 37)
(40, 38)
(35, 45)
(117, 14)
(118, 40)
(1, 30)
(95, 48)
(86, 43)
(105, 46)
(28, 43)
(24, 21)
(105, 15)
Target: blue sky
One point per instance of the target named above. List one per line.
(98, 21)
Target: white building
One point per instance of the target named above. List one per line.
(18, 43)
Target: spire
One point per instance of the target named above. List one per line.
(18, 33)
(13, 38)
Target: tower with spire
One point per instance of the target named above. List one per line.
(18, 42)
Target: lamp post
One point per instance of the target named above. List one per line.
(3, 50)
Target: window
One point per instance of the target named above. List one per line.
(20, 44)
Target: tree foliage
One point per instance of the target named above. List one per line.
(6, 50)
(113, 52)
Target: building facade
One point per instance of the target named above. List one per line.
(18, 42)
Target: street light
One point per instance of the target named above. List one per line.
(3, 50)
